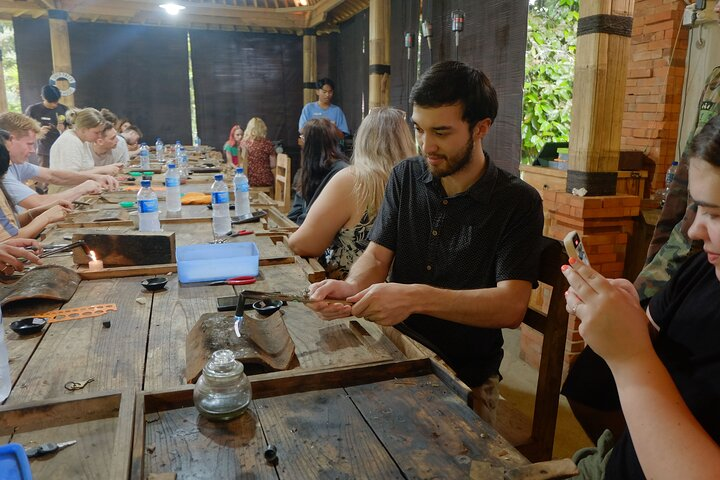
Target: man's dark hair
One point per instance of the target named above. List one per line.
(448, 83)
(325, 81)
(50, 93)
(109, 115)
(706, 144)
(135, 129)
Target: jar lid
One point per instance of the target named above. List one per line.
(222, 363)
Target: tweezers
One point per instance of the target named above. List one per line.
(65, 248)
(288, 297)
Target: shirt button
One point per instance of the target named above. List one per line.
(429, 267)
(445, 202)
(434, 232)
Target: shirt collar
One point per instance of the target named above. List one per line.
(480, 190)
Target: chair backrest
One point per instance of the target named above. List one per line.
(283, 182)
(553, 325)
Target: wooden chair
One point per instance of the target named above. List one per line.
(538, 445)
(283, 182)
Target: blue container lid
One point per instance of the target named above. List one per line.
(14, 464)
(239, 170)
(145, 183)
(171, 165)
(219, 177)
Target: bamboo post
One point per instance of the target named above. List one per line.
(60, 45)
(3, 92)
(309, 65)
(603, 45)
(379, 94)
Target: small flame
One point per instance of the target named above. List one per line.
(92, 256)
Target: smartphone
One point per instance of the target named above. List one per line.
(228, 304)
(575, 248)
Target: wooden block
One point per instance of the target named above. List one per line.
(127, 248)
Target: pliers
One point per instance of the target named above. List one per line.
(240, 233)
(243, 280)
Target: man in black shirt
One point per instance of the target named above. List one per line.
(50, 113)
(457, 235)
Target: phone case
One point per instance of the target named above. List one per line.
(575, 248)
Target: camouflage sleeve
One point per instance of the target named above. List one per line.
(655, 275)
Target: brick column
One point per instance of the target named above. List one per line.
(654, 85)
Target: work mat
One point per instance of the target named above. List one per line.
(45, 282)
(264, 340)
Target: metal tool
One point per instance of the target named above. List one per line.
(239, 315)
(72, 386)
(287, 297)
(47, 448)
(79, 203)
(240, 233)
(65, 248)
(242, 280)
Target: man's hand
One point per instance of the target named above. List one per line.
(112, 169)
(54, 214)
(331, 289)
(384, 303)
(89, 187)
(44, 131)
(107, 182)
(14, 248)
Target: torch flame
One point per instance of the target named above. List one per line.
(92, 256)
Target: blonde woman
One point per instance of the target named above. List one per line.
(258, 154)
(69, 151)
(339, 221)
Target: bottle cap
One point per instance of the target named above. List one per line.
(171, 165)
(239, 170)
(219, 177)
(145, 183)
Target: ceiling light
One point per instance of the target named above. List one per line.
(301, 3)
(172, 8)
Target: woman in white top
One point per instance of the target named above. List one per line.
(69, 151)
(340, 219)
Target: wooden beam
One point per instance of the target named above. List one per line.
(60, 47)
(379, 89)
(309, 67)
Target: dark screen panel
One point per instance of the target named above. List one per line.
(137, 72)
(353, 82)
(493, 41)
(34, 57)
(238, 76)
(403, 18)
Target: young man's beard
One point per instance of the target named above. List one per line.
(455, 164)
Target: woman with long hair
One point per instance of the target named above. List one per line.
(321, 159)
(257, 154)
(232, 145)
(337, 225)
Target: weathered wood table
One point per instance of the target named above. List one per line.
(355, 406)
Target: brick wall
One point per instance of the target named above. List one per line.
(655, 82)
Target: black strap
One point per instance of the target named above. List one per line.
(610, 24)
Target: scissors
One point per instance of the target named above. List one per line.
(243, 280)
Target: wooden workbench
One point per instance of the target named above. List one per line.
(355, 406)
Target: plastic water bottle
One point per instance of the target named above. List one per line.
(172, 183)
(221, 206)
(178, 146)
(148, 212)
(159, 150)
(5, 380)
(242, 193)
(196, 143)
(669, 177)
(144, 157)
(183, 162)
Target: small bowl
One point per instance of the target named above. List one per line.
(267, 307)
(28, 326)
(127, 204)
(154, 284)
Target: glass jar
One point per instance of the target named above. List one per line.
(223, 390)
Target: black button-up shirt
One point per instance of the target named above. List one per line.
(475, 239)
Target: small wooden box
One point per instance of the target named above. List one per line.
(543, 178)
(119, 249)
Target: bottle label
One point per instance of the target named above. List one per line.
(220, 197)
(172, 182)
(244, 187)
(148, 206)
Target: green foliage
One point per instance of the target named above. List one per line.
(549, 71)
(9, 63)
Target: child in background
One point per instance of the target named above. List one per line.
(232, 145)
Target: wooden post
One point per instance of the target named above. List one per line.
(60, 45)
(603, 43)
(3, 92)
(379, 94)
(309, 66)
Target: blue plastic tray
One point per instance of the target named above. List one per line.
(14, 464)
(211, 262)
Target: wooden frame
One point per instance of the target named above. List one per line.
(283, 183)
(101, 424)
(429, 444)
